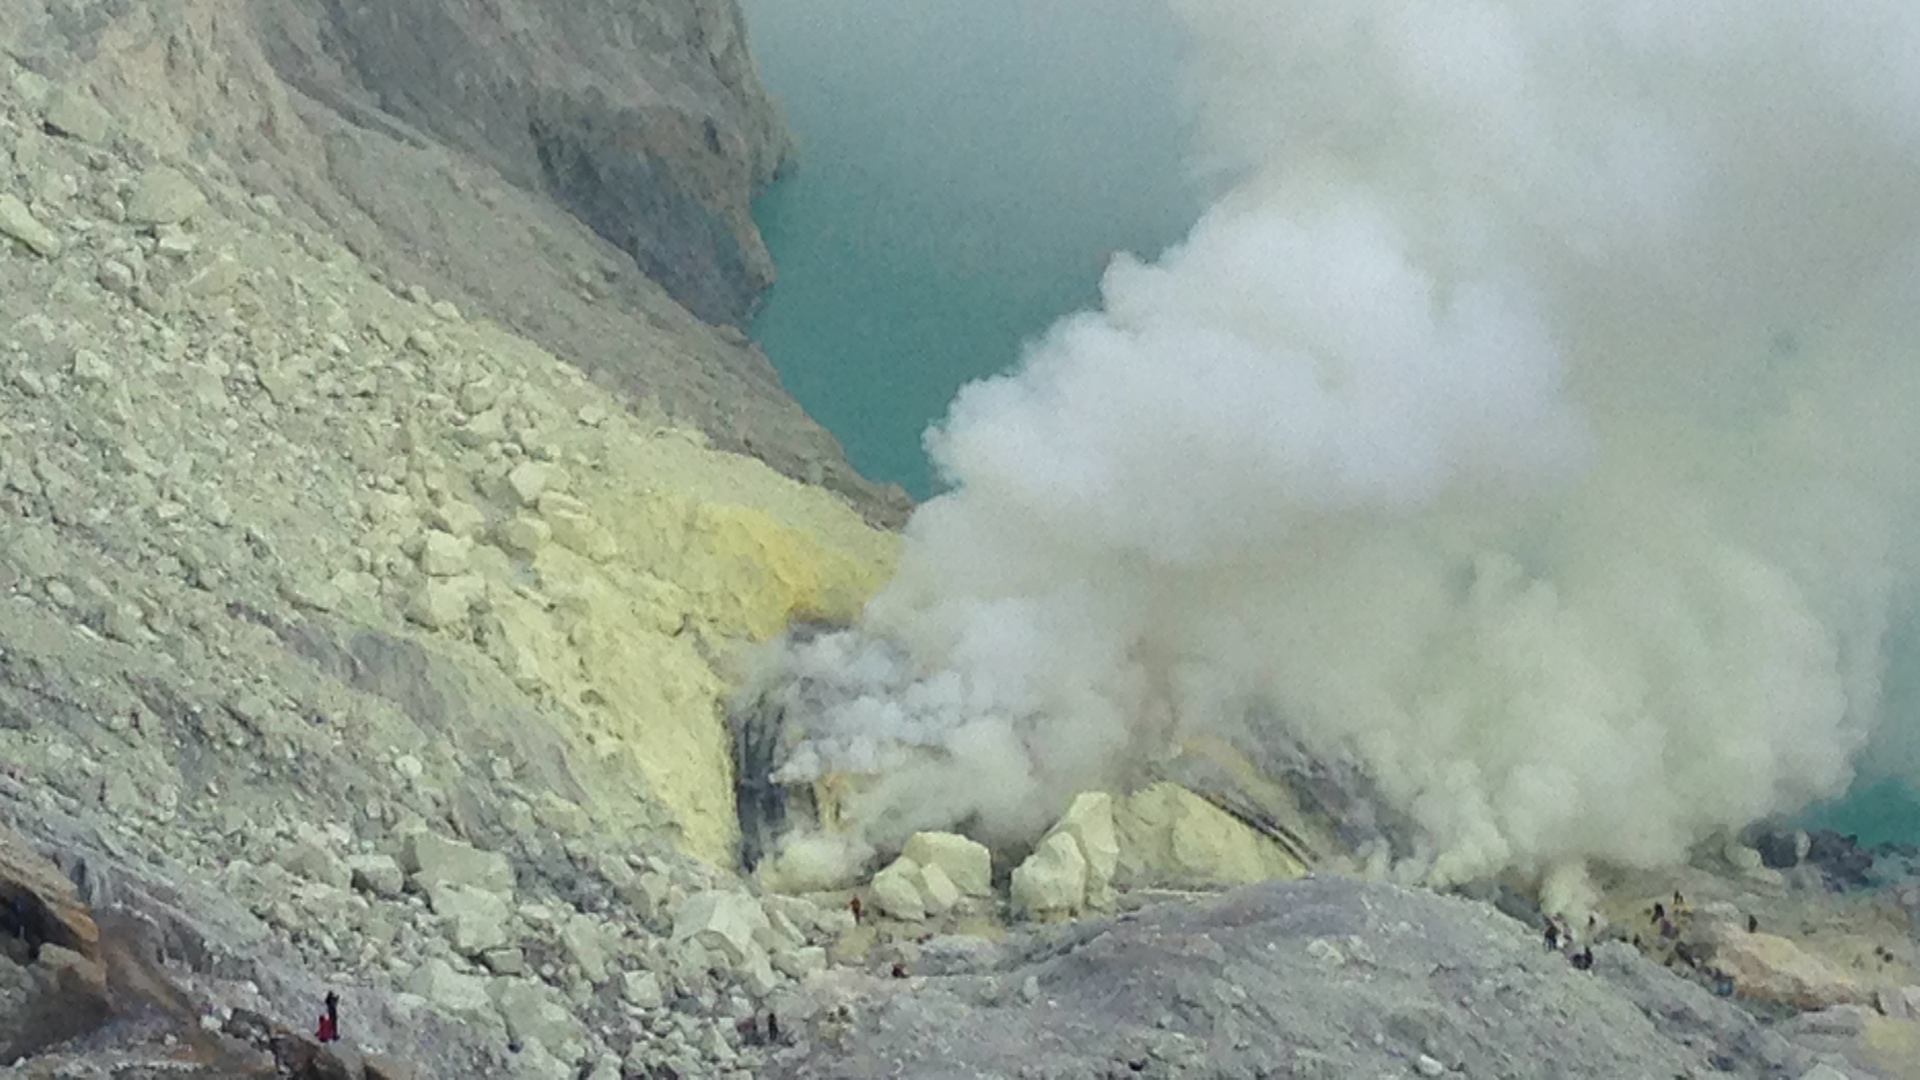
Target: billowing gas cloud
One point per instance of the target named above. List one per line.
(1529, 418)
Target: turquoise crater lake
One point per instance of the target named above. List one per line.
(966, 168)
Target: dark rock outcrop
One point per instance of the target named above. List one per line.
(645, 120)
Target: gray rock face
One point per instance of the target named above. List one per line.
(1318, 977)
(646, 121)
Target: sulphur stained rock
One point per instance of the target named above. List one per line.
(966, 863)
(937, 891)
(1170, 836)
(1053, 880)
(444, 554)
(1089, 820)
(1767, 967)
(533, 479)
(896, 892)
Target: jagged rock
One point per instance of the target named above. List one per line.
(533, 1012)
(164, 196)
(476, 919)
(376, 874)
(729, 921)
(1780, 849)
(574, 528)
(802, 962)
(481, 429)
(449, 990)
(937, 891)
(1840, 858)
(581, 938)
(1824, 1072)
(216, 277)
(966, 863)
(458, 517)
(1089, 820)
(536, 1062)
(506, 960)
(1899, 1002)
(18, 222)
(896, 892)
(73, 112)
(315, 863)
(641, 989)
(433, 860)
(444, 554)
(533, 479)
(443, 602)
(424, 341)
(1053, 880)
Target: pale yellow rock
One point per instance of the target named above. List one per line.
(1089, 820)
(1051, 882)
(1768, 967)
(967, 863)
(575, 529)
(442, 602)
(532, 479)
(458, 517)
(896, 891)
(937, 891)
(444, 554)
(523, 535)
(1170, 836)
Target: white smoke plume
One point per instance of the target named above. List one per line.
(1529, 417)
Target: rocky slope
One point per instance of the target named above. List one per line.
(656, 134)
(379, 555)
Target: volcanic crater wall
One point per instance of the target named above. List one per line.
(646, 121)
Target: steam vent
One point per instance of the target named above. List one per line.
(671, 539)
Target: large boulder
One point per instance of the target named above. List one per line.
(436, 861)
(966, 863)
(1052, 881)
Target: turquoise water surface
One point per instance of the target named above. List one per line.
(965, 168)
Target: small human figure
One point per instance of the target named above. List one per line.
(330, 1020)
(1753, 924)
(1659, 913)
(1553, 935)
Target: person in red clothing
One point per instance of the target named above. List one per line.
(330, 1020)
